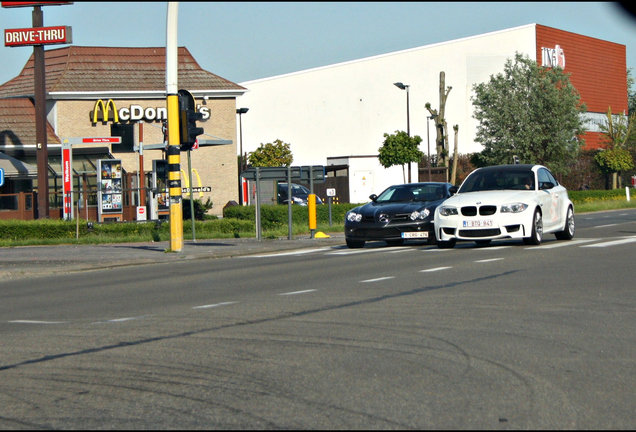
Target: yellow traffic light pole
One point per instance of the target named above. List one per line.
(174, 156)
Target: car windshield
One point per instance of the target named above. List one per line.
(487, 180)
(297, 189)
(405, 193)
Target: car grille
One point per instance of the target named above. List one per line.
(480, 233)
(487, 210)
(398, 218)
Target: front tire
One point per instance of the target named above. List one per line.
(568, 231)
(537, 230)
(355, 244)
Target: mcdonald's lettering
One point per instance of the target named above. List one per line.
(104, 112)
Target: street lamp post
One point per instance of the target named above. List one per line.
(406, 87)
(240, 112)
(428, 139)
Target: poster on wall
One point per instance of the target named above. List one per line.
(110, 186)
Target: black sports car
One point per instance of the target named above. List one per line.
(400, 213)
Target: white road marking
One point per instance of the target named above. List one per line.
(214, 305)
(118, 320)
(435, 269)
(613, 243)
(491, 248)
(298, 292)
(37, 322)
(560, 244)
(378, 279)
(358, 251)
(300, 252)
(605, 226)
(489, 260)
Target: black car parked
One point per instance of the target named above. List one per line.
(400, 213)
(299, 194)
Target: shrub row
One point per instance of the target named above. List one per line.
(588, 196)
(276, 216)
(59, 229)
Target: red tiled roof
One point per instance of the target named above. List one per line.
(91, 69)
(17, 123)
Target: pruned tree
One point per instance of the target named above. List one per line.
(273, 154)
(441, 139)
(453, 176)
(400, 149)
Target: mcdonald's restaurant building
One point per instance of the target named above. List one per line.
(101, 92)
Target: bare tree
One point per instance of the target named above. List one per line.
(441, 141)
(455, 156)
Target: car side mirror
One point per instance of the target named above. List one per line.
(547, 185)
(373, 197)
(453, 190)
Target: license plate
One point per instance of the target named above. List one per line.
(423, 234)
(477, 224)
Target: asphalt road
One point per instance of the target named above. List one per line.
(313, 335)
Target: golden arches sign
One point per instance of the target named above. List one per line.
(105, 111)
(186, 181)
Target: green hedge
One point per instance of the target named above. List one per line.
(588, 196)
(60, 229)
(276, 216)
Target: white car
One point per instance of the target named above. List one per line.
(505, 201)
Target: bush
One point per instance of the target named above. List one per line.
(587, 196)
(276, 216)
(200, 209)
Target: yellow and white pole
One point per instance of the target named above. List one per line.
(174, 156)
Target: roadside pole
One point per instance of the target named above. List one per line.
(173, 153)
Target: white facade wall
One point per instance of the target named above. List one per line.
(344, 109)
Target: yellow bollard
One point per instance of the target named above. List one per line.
(311, 203)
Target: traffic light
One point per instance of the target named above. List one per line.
(188, 116)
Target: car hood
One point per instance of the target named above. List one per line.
(490, 197)
(374, 208)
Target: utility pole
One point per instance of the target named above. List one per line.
(173, 152)
(42, 154)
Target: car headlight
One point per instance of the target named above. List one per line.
(297, 200)
(513, 207)
(419, 214)
(448, 211)
(354, 217)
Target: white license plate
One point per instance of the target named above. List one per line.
(477, 224)
(423, 234)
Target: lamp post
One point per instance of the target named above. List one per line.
(428, 139)
(240, 112)
(408, 121)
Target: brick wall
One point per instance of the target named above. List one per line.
(217, 166)
(598, 71)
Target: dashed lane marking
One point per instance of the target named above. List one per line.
(378, 279)
(214, 305)
(297, 292)
(435, 269)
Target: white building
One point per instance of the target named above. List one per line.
(337, 114)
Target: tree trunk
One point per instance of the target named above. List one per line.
(455, 156)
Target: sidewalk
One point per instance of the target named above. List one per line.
(35, 261)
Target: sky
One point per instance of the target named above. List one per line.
(243, 41)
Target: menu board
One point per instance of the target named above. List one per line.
(110, 185)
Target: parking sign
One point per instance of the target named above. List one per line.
(1, 177)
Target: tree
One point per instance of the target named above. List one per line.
(615, 158)
(529, 111)
(400, 149)
(273, 154)
(441, 140)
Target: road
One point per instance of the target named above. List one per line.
(505, 336)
